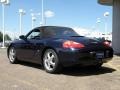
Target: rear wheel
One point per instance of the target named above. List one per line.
(51, 62)
(12, 55)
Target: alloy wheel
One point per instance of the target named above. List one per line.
(49, 60)
(12, 55)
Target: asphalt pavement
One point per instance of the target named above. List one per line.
(27, 76)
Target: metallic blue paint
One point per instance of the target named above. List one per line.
(32, 50)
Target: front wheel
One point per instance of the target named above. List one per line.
(12, 55)
(51, 62)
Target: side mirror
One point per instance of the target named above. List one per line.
(22, 37)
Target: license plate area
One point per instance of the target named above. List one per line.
(99, 55)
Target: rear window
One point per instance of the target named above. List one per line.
(58, 31)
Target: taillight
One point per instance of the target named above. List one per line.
(106, 43)
(72, 44)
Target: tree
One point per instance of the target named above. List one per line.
(7, 37)
(1, 35)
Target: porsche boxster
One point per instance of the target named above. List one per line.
(55, 47)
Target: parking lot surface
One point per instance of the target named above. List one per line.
(27, 76)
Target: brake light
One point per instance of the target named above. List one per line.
(72, 44)
(107, 44)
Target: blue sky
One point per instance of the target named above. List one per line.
(72, 13)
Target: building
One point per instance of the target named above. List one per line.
(116, 22)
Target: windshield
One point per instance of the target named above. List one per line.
(59, 31)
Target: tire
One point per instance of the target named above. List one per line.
(12, 55)
(51, 61)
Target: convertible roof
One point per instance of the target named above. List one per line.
(50, 26)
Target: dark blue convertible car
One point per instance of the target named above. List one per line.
(56, 47)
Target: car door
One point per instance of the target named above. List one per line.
(29, 46)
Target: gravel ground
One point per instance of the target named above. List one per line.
(27, 76)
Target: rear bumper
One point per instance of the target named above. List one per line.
(71, 57)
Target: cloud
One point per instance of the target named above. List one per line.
(82, 31)
(88, 32)
(49, 14)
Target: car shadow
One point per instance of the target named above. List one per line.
(32, 65)
(86, 71)
(117, 54)
(74, 70)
